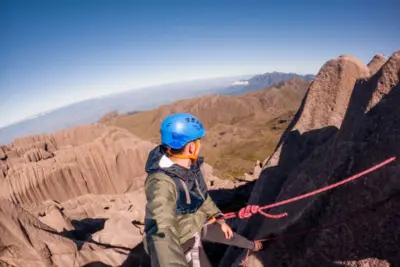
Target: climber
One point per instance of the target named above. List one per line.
(180, 213)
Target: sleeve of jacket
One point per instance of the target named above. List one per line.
(161, 226)
(211, 209)
(209, 206)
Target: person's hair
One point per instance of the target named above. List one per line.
(178, 151)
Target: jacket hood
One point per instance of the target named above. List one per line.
(154, 157)
(153, 160)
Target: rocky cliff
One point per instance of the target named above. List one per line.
(348, 122)
(73, 162)
(76, 198)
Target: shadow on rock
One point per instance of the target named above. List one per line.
(137, 257)
(368, 135)
(84, 229)
(96, 264)
(294, 151)
(87, 227)
(231, 199)
(228, 200)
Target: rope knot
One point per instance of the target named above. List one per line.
(248, 211)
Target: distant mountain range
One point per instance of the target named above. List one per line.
(262, 81)
(92, 110)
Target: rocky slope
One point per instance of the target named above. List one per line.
(26, 241)
(76, 198)
(72, 198)
(241, 129)
(73, 162)
(348, 121)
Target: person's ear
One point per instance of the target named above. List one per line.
(192, 147)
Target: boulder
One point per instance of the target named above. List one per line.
(26, 242)
(36, 154)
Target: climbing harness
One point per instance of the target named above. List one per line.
(193, 255)
(251, 210)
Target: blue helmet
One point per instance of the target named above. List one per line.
(179, 129)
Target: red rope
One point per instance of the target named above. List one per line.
(350, 217)
(250, 210)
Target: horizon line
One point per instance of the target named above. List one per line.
(44, 112)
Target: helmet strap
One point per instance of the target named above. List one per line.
(192, 157)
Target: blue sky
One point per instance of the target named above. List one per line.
(53, 53)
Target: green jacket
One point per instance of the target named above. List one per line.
(165, 230)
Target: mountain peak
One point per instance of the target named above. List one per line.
(262, 81)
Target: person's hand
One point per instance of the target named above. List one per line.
(227, 230)
(257, 245)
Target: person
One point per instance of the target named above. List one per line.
(179, 211)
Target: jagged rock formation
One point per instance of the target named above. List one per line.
(89, 229)
(326, 101)
(81, 174)
(76, 198)
(215, 183)
(36, 154)
(58, 215)
(87, 159)
(358, 128)
(388, 79)
(52, 214)
(26, 242)
(109, 116)
(119, 231)
(254, 174)
(3, 150)
(376, 63)
(79, 191)
(3, 169)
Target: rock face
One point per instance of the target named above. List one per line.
(52, 214)
(63, 216)
(119, 232)
(325, 103)
(3, 150)
(70, 198)
(87, 159)
(254, 174)
(376, 64)
(321, 148)
(3, 169)
(76, 198)
(36, 154)
(215, 183)
(25, 242)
